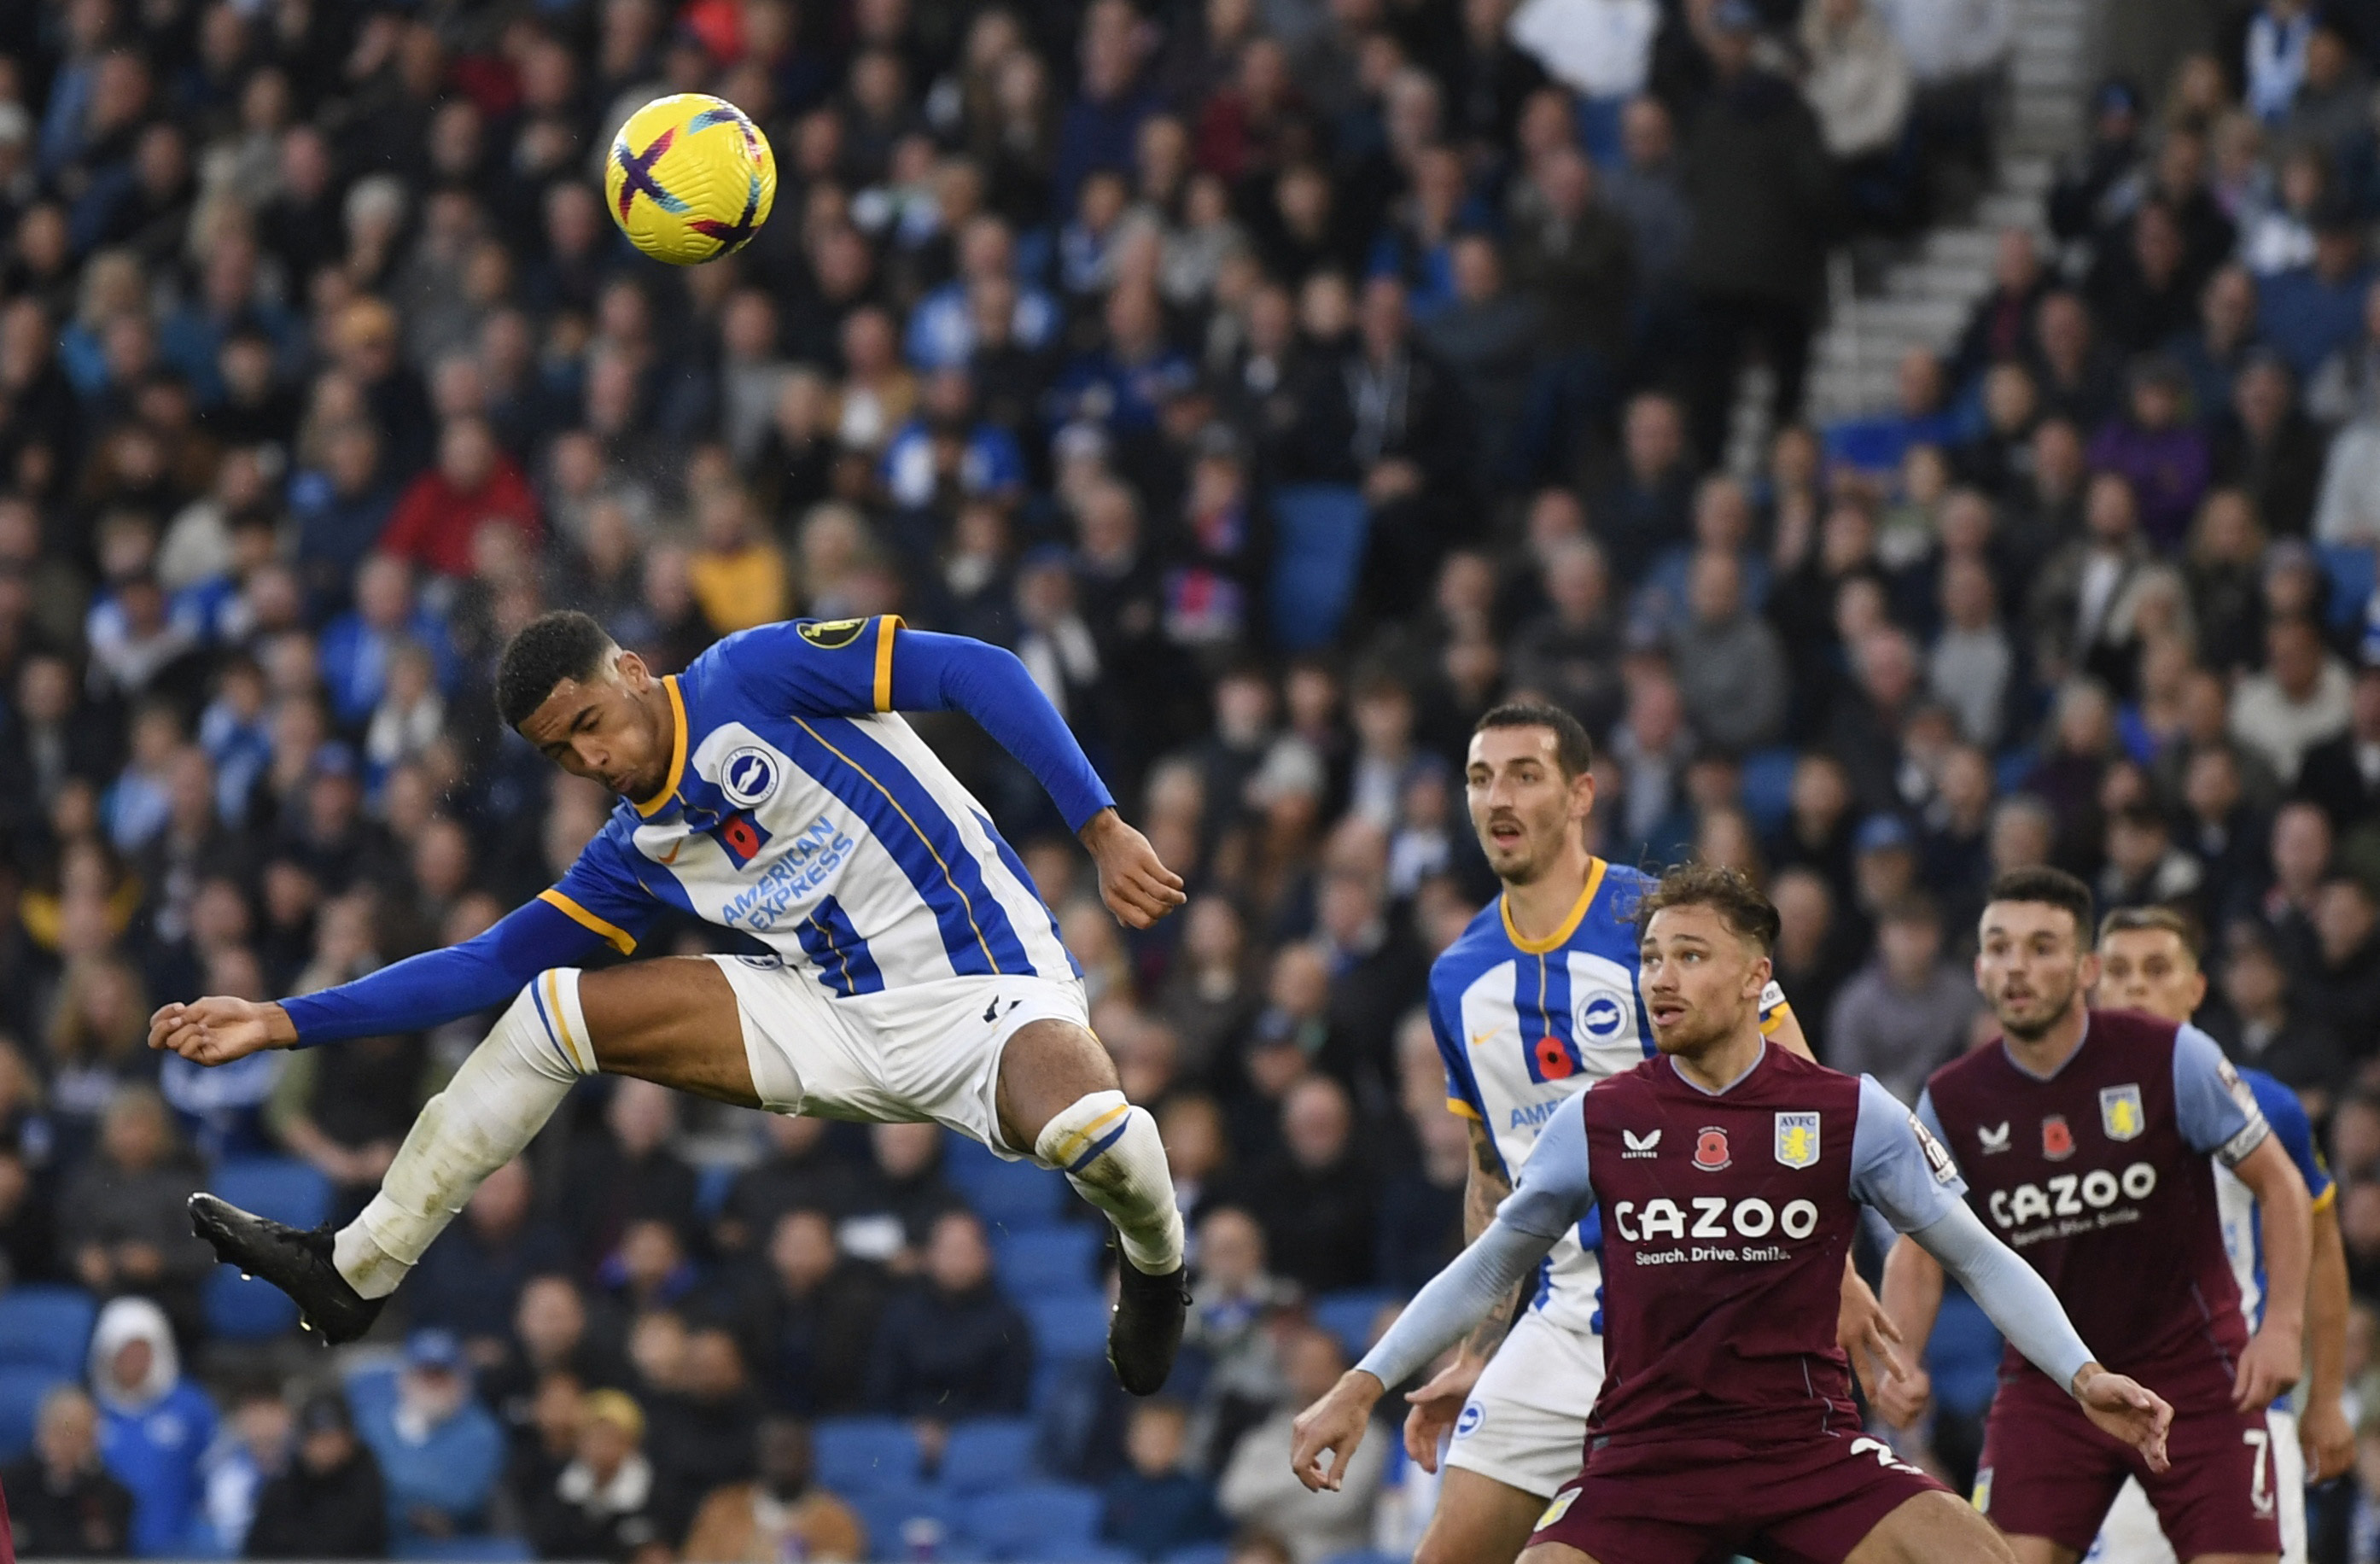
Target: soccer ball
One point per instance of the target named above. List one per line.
(690, 178)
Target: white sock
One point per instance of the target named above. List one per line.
(1110, 1153)
(488, 1114)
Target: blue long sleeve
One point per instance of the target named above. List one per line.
(934, 672)
(437, 985)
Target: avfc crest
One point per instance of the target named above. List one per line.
(2121, 1113)
(1797, 1139)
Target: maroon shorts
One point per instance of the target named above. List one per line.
(2048, 1471)
(1801, 1500)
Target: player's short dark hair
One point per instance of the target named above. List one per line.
(565, 644)
(2042, 883)
(1724, 891)
(2167, 920)
(1573, 751)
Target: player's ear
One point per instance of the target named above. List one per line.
(1757, 980)
(1581, 794)
(2197, 988)
(633, 669)
(2090, 973)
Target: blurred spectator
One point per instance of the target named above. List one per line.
(470, 1282)
(1257, 1488)
(602, 1506)
(127, 1211)
(1908, 1011)
(1316, 1197)
(62, 1502)
(1158, 1505)
(627, 1172)
(252, 1448)
(702, 1429)
(438, 1448)
(153, 1424)
(782, 1513)
(440, 512)
(808, 1317)
(949, 1345)
(329, 1503)
(2303, 700)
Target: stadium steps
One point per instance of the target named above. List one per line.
(1926, 297)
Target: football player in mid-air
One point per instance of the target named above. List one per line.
(1535, 1002)
(2148, 960)
(2086, 1136)
(1731, 1174)
(912, 972)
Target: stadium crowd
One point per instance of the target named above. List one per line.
(322, 368)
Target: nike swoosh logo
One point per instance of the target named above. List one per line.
(671, 856)
(1479, 1038)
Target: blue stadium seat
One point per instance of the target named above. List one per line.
(1068, 1325)
(2350, 570)
(247, 1310)
(46, 1327)
(1201, 1553)
(1348, 1316)
(712, 1182)
(22, 1390)
(1064, 1257)
(1010, 1197)
(887, 1513)
(466, 1550)
(1033, 1521)
(988, 1453)
(858, 1455)
(1318, 551)
(370, 1389)
(1768, 786)
(280, 1187)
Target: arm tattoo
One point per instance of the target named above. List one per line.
(1484, 1188)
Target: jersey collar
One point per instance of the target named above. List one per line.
(2014, 1063)
(649, 807)
(1569, 926)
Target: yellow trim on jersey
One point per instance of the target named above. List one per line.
(553, 1008)
(614, 935)
(2327, 1198)
(1461, 1108)
(928, 841)
(1560, 936)
(1075, 1145)
(653, 806)
(1774, 1019)
(885, 625)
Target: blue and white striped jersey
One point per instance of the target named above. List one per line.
(801, 810)
(1525, 1024)
(2244, 1228)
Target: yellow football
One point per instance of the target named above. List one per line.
(690, 178)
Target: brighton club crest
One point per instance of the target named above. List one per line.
(2121, 1113)
(1797, 1139)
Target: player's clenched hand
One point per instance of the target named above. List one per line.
(2126, 1409)
(2327, 1438)
(1902, 1397)
(1867, 1335)
(1134, 882)
(2267, 1369)
(218, 1030)
(1334, 1424)
(1436, 1406)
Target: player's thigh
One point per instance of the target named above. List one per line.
(1937, 1527)
(1556, 1553)
(675, 1022)
(1046, 1067)
(2027, 1549)
(1478, 1520)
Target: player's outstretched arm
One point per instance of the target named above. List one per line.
(2275, 1355)
(409, 996)
(1438, 1403)
(2028, 1312)
(1913, 1296)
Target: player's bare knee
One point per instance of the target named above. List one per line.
(1047, 1067)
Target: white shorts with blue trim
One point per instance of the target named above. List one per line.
(2130, 1534)
(926, 1052)
(1525, 1422)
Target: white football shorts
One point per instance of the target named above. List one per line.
(929, 1051)
(2130, 1534)
(1525, 1422)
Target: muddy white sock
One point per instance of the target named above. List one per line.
(488, 1114)
(1110, 1153)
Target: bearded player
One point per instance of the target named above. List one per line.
(1731, 1174)
(1531, 1004)
(2148, 960)
(910, 970)
(2086, 1136)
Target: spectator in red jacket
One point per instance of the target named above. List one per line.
(473, 482)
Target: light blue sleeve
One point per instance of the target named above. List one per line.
(1553, 1194)
(1899, 1167)
(2217, 1112)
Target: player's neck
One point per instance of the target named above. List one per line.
(1724, 1063)
(1540, 907)
(2044, 1056)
